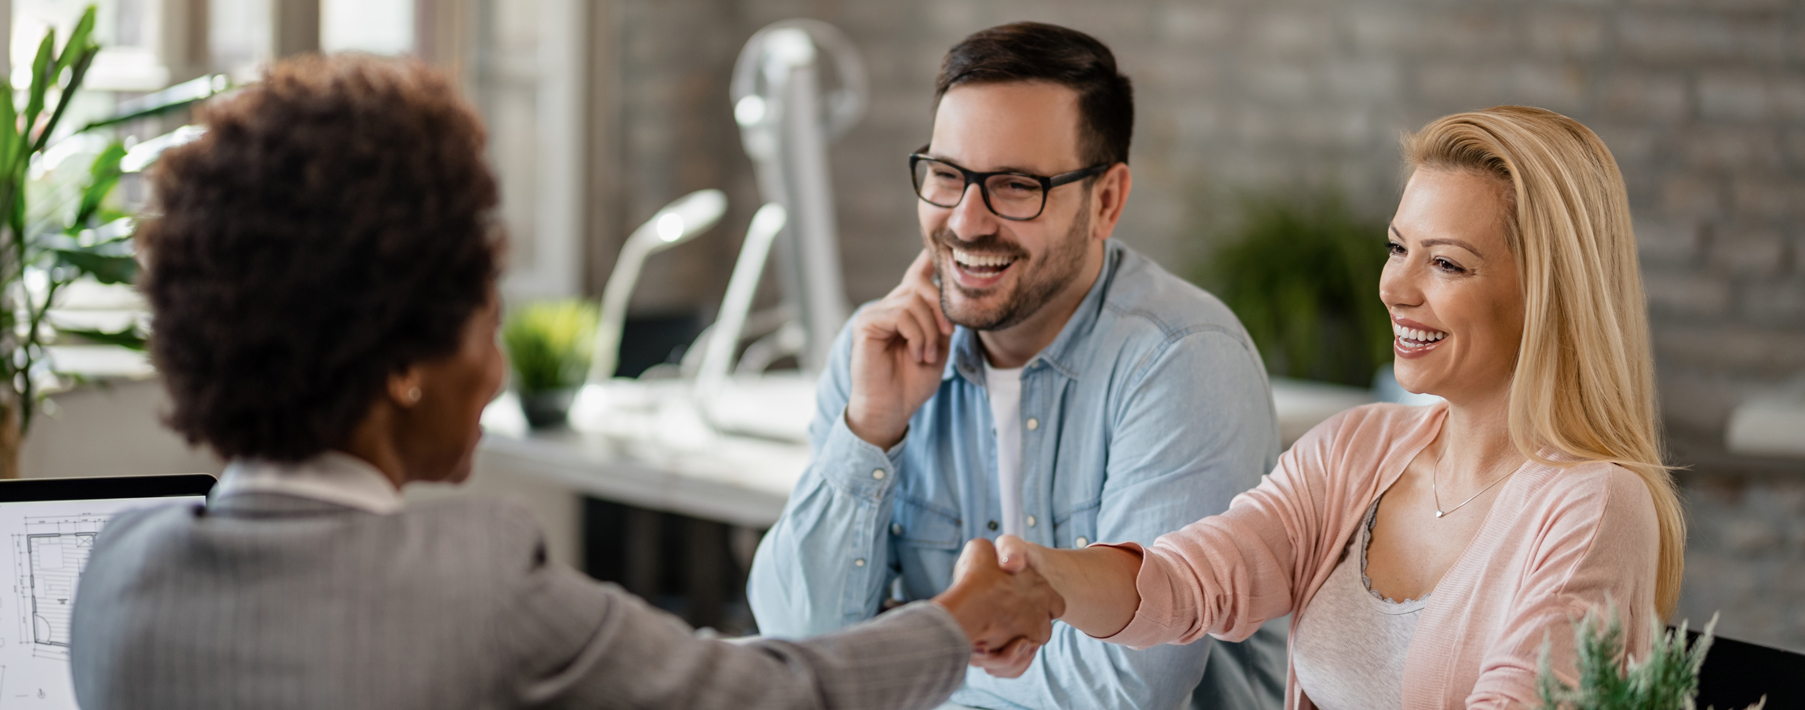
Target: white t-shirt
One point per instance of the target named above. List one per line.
(1004, 388)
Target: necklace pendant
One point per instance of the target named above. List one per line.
(1438, 513)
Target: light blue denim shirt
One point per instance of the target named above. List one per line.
(1149, 411)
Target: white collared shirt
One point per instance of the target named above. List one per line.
(332, 477)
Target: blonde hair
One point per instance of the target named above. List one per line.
(1584, 383)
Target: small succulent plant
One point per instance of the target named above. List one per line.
(549, 344)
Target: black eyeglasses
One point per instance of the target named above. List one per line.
(1010, 195)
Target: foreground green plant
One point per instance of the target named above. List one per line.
(1302, 274)
(58, 226)
(549, 344)
(1665, 679)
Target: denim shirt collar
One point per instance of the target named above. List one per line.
(968, 352)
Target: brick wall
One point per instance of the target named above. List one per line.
(1703, 104)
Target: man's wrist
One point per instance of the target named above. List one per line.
(882, 439)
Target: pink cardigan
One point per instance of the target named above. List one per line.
(1556, 543)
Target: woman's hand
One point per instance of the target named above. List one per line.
(1097, 583)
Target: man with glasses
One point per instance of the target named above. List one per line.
(1031, 377)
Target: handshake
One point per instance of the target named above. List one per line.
(1007, 615)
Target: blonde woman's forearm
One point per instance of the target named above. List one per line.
(1097, 583)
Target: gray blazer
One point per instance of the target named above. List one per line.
(268, 601)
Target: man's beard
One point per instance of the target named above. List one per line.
(1033, 287)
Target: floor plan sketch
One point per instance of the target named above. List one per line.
(49, 557)
(45, 547)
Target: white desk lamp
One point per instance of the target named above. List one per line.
(724, 338)
(677, 223)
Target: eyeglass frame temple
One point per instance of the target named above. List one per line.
(1047, 183)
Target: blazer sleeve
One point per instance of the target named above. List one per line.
(1227, 574)
(581, 643)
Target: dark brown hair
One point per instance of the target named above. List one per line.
(1035, 51)
(331, 228)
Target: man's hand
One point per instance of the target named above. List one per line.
(899, 348)
(1007, 616)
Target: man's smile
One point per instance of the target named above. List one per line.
(980, 271)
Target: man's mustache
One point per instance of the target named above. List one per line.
(988, 244)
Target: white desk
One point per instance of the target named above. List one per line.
(654, 451)
(650, 448)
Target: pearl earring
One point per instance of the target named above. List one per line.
(413, 395)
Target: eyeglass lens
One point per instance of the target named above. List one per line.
(1012, 196)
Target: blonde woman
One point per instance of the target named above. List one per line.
(1426, 552)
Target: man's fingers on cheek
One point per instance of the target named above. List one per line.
(911, 333)
(918, 335)
(929, 345)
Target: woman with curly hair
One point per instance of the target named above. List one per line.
(1515, 295)
(322, 275)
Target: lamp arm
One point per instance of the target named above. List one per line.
(605, 354)
(736, 306)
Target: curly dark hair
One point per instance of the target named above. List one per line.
(332, 226)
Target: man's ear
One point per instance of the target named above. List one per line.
(1108, 196)
(405, 388)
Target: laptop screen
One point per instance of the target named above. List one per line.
(48, 528)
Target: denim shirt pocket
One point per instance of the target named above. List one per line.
(1077, 526)
(928, 541)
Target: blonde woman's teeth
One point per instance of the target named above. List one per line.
(1417, 334)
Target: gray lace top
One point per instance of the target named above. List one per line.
(1350, 644)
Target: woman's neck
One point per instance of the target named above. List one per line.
(1475, 446)
(373, 441)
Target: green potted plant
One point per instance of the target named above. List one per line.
(1302, 274)
(549, 346)
(58, 226)
(1665, 679)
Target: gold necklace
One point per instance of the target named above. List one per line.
(1435, 473)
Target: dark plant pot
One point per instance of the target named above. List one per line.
(546, 409)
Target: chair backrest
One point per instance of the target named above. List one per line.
(1737, 674)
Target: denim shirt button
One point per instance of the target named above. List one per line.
(860, 562)
(1033, 423)
(991, 525)
(896, 528)
(878, 474)
(1081, 543)
(1030, 521)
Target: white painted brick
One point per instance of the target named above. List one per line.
(1371, 80)
(1733, 96)
(1727, 350)
(1749, 249)
(1673, 241)
(1769, 195)
(1565, 33)
(1290, 33)
(1679, 292)
(1686, 38)
(1731, 149)
(1282, 82)
(1556, 87)
(1687, 196)
(1781, 302)
(1644, 95)
(1196, 25)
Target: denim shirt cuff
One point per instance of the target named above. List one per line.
(858, 466)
